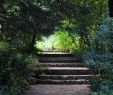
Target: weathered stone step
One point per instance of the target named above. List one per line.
(49, 81)
(62, 68)
(67, 71)
(65, 77)
(78, 64)
(53, 52)
(58, 59)
(57, 55)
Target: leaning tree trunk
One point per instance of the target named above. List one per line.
(33, 41)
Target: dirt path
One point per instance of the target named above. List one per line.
(59, 90)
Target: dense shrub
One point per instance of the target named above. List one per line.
(14, 70)
(100, 55)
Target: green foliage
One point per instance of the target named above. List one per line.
(46, 43)
(24, 18)
(101, 93)
(21, 21)
(14, 70)
(43, 15)
(100, 55)
(62, 41)
(68, 42)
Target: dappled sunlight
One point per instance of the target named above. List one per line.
(46, 44)
(61, 41)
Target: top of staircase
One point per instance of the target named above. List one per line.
(53, 52)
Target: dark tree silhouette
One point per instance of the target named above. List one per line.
(111, 8)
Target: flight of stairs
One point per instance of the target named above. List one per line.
(63, 68)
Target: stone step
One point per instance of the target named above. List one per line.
(56, 55)
(77, 64)
(62, 68)
(49, 81)
(58, 59)
(68, 68)
(65, 77)
(53, 52)
(67, 71)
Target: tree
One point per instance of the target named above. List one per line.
(111, 8)
(23, 20)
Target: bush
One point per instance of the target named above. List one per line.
(100, 55)
(65, 41)
(14, 70)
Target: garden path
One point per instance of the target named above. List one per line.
(44, 89)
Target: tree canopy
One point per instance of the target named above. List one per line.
(22, 20)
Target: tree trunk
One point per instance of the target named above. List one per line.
(33, 41)
(111, 8)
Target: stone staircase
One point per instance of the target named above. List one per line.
(63, 68)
